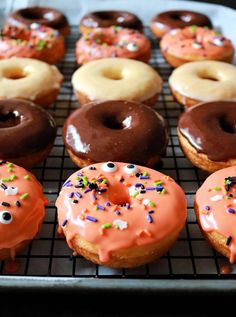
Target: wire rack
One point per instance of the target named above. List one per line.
(48, 254)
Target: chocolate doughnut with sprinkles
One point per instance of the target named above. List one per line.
(119, 214)
(22, 208)
(215, 208)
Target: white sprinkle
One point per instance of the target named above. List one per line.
(34, 26)
(196, 45)
(120, 224)
(10, 191)
(216, 197)
(132, 47)
(132, 191)
(234, 201)
(146, 202)
(218, 42)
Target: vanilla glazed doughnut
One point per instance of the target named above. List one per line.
(203, 81)
(29, 79)
(194, 43)
(22, 208)
(207, 135)
(215, 208)
(177, 19)
(117, 79)
(35, 41)
(112, 42)
(120, 215)
(115, 131)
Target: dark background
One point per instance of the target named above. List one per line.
(37, 304)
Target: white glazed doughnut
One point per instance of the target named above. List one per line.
(203, 81)
(116, 79)
(29, 79)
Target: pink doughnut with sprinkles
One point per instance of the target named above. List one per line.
(34, 41)
(119, 214)
(22, 208)
(114, 41)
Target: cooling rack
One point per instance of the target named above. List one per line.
(47, 262)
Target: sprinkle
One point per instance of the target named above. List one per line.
(87, 190)
(149, 218)
(132, 191)
(71, 195)
(78, 195)
(18, 204)
(10, 164)
(231, 210)
(216, 198)
(91, 218)
(11, 191)
(164, 191)
(207, 207)
(67, 183)
(159, 188)
(104, 181)
(10, 169)
(193, 28)
(117, 212)
(102, 190)
(5, 204)
(3, 186)
(6, 179)
(100, 207)
(217, 188)
(143, 177)
(64, 223)
(94, 197)
(22, 197)
(41, 45)
(146, 202)
(151, 212)
(75, 201)
(27, 177)
(106, 226)
(120, 224)
(127, 206)
(145, 173)
(79, 174)
(138, 185)
(158, 183)
(229, 239)
(85, 180)
(150, 188)
(108, 203)
(151, 204)
(93, 186)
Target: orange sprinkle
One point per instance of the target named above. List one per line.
(82, 217)
(101, 231)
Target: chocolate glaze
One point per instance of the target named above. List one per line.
(115, 131)
(109, 18)
(45, 16)
(25, 128)
(211, 129)
(180, 19)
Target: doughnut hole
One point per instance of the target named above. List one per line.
(208, 75)
(118, 194)
(181, 17)
(14, 73)
(10, 119)
(227, 125)
(116, 123)
(113, 74)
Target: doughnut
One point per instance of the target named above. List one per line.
(117, 131)
(22, 208)
(207, 135)
(114, 41)
(117, 79)
(29, 79)
(119, 214)
(194, 43)
(203, 81)
(34, 41)
(45, 16)
(104, 19)
(215, 208)
(27, 132)
(177, 19)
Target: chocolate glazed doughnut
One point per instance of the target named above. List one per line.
(42, 15)
(178, 19)
(104, 19)
(115, 131)
(27, 132)
(207, 135)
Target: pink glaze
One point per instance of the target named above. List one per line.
(197, 43)
(139, 227)
(112, 42)
(218, 218)
(36, 41)
(27, 218)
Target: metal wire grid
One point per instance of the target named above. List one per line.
(48, 254)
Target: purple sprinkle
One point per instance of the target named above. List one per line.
(150, 188)
(87, 190)
(149, 218)
(78, 195)
(99, 180)
(207, 207)
(100, 207)
(102, 190)
(143, 177)
(71, 195)
(159, 188)
(231, 210)
(64, 223)
(79, 174)
(127, 205)
(91, 219)
(138, 185)
(117, 212)
(108, 203)
(3, 186)
(67, 183)
(94, 197)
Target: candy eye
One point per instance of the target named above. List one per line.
(109, 167)
(5, 217)
(130, 169)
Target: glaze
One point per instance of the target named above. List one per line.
(109, 212)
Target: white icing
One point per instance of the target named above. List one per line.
(132, 47)
(196, 45)
(218, 42)
(34, 26)
(110, 169)
(120, 224)
(130, 170)
(216, 197)
(11, 191)
(2, 220)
